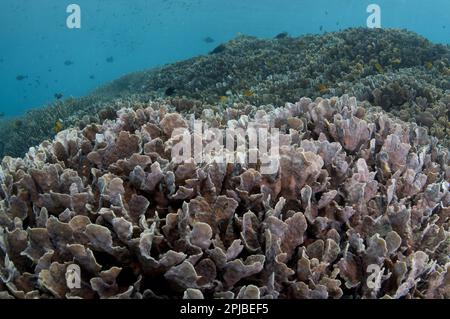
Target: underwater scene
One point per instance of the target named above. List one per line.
(224, 149)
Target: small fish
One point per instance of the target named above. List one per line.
(21, 77)
(92, 76)
(281, 35)
(2, 114)
(385, 167)
(170, 91)
(68, 63)
(58, 96)
(323, 88)
(110, 59)
(58, 126)
(208, 40)
(379, 68)
(219, 49)
(248, 93)
(223, 99)
(18, 123)
(321, 28)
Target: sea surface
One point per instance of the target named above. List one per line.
(41, 59)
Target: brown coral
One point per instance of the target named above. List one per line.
(353, 190)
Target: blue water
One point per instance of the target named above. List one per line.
(140, 34)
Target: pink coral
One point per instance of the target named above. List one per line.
(353, 189)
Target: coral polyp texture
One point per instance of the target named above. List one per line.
(358, 208)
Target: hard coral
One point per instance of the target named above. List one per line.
(411, 81)
(355, 191)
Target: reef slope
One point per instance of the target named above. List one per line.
(398, 70)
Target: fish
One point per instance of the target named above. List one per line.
(92, 76)
(110, 59)
(21, 77)
(68, 63)
(169, 91)
(321, 28)
(281, 35)
(223, 99)
(2, 114)
(379, 68)
(58, 96)
(219, 49)
(208, 40)
(18, 123)
(248, 93)
(58, 126)
(323, 88)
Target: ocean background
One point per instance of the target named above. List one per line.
(140, 34)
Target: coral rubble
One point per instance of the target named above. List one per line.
(356, 190)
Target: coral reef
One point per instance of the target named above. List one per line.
(396, 69)
(355, 190)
